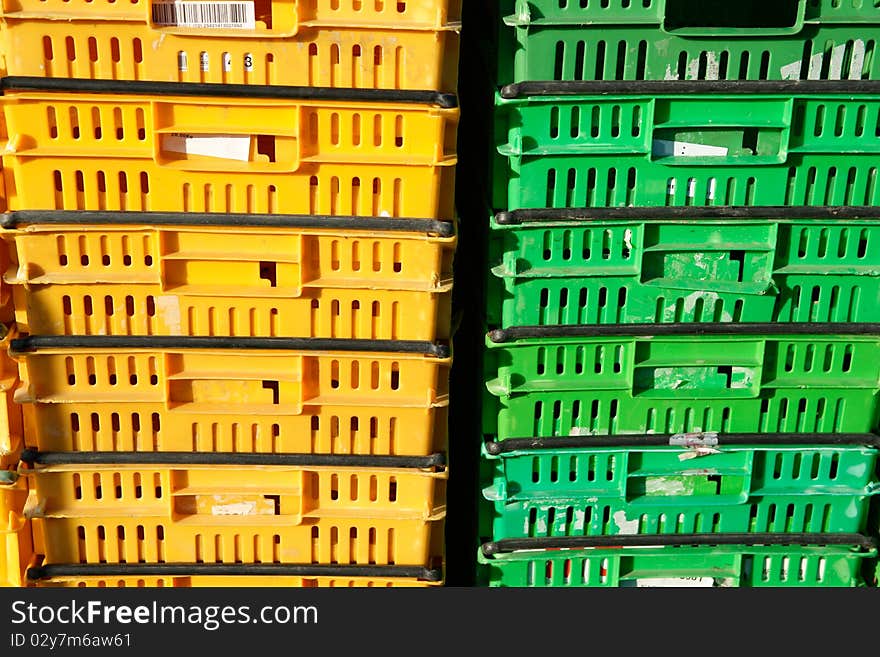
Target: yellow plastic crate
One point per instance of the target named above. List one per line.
(252, 495)
(277, 175)
(272, 17)
(231, 376)
(142, 539)
(147, 310)
(49, 39)
(16, 544)
(228, 134)
(231, 281)
(136, 427)
(101, 183)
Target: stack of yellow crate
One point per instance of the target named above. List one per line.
(229, 233)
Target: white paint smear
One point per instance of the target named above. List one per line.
(226, 147)
(237, 509)
(168, 309)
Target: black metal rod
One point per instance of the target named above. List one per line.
(86, 217)
(784, 214)
(825, 329)
(33, 343)
(149, 88)
(656, 88)
(649, 540)
(51, 571)
(226, 458)
(497, 447)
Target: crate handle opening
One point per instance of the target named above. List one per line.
(740, 18)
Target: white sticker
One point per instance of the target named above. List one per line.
(204, 61)
(227, 147)
(666, 148)
(182, 62)
(227, 62)
(202, 14)
(249, 62)
(680, 582)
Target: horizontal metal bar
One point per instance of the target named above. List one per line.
(229, 458)
(102, 218)
(509, 545)
(33, 343)
(148, 88)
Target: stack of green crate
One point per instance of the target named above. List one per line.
(682, 359)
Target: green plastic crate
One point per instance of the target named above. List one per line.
(673, 378)
(743, 17)
(697, 149)
(682, 366)
(661, 268)
(747, 565)
(593, 40)
(652, 490)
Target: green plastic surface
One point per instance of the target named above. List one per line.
(680, 383)
(612, 151)
(746, 566)
(721, 270)
(748, 16)
(654, 490)
(821, 410)
(684, 367)
(688, 40)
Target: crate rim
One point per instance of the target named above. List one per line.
(508, 219)
(209, 459)
(34, 343)
(744, 330)
(21, 219)
(549, 90)
(49, 571)
(443, 100)
(494, 449)
(863, 542)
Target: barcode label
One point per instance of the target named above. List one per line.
(198, 14)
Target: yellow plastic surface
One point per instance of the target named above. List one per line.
(144, 539)
(148, 310)
(212, 260)
(253, 496)
(276, 18)
(373, 58)
(261, 135)
(16, 545)
(232, 381)
(102, 183)
(11, 416)
(133, 427)
(311, 169)
(222, 281)
(198, 581)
